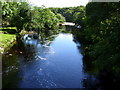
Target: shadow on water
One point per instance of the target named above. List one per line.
(94, 77)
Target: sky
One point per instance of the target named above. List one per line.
(59, 3)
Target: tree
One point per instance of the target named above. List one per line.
(22, 16)
(60, 17)
(102, 31)
(42, 20)
(7, 11)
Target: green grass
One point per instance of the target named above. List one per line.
(6, 40)
(8, 36)
(8, 28)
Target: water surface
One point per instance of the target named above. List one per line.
(54, 64)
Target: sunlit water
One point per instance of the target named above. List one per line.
(56, 65)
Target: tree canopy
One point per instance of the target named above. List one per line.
(71, 14)
(24, 16)
(101, 35)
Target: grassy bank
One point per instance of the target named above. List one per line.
(6, 41)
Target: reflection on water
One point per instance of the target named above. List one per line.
(55, 62)
(58, 65)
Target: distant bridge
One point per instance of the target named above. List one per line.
(69, 23)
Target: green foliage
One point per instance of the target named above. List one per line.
(60, 18)
(9, 9)
(42, 19)
(71, 14)
(23, 16)
(102, 34)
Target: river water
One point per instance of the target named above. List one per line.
(58, 63)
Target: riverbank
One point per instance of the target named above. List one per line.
(6, 40)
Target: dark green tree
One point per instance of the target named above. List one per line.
(22, 16)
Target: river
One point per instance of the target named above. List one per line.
(58, 63)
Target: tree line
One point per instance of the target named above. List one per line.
(100, 36)
(71, 14)
(23, 15)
